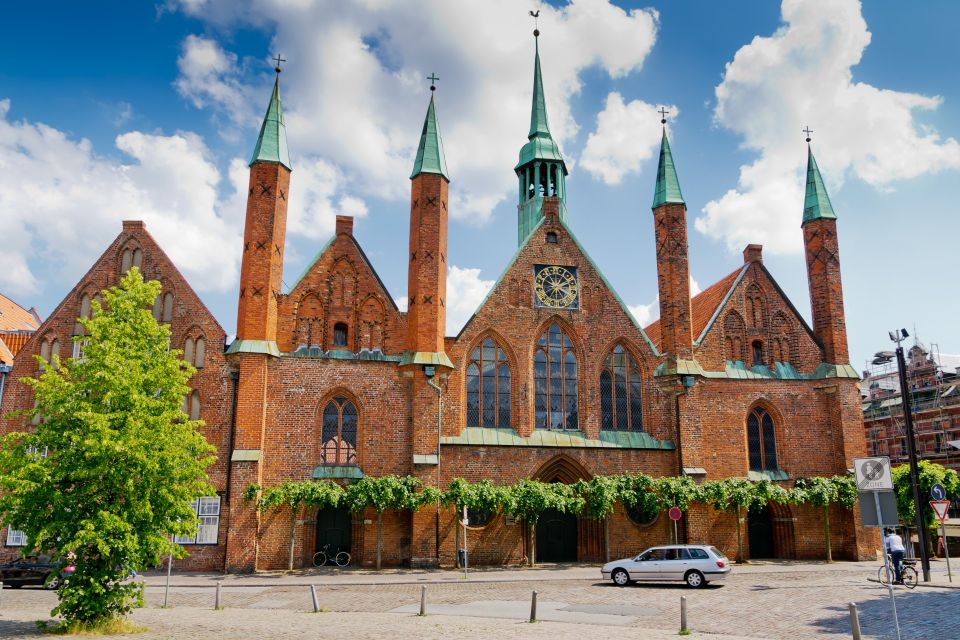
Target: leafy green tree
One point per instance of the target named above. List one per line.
(388, 492)
(825, 492)
(483, 496)
(122, 464)
(639, 490)
(731, 493)
(675, 491)
(295, 494)
(600, 494)
(930, 473)
(528, 499)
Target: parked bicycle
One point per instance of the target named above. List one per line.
(908, 573)
(324, 556)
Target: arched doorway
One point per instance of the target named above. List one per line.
(557, 537)
(334, 530)
(770, 532)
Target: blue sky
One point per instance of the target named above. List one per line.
(119, 110)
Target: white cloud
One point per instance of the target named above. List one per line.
(465, 291)
(210, 76)
(68, 204)
(627, 134)
(355, 94)
(314, 201)
(802, 74)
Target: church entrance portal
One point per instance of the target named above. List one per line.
(760, 533)
(770, 532)
(556, 537)
(334, 529)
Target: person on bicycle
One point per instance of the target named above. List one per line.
(894, 546)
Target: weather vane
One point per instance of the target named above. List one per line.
(536, 23)
(278, 60)
(433, 81)
(663, 115)
(808, 131)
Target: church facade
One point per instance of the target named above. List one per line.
(551, 378)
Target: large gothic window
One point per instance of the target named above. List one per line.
(488, 387)
(761, 441)
(621, 405)
(555, 381)
(339, 432)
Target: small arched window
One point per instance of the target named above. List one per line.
(85, 312)
(195, 405)
(188, 350)
(757, 348)
(555, 381)
(194, 351)
(338, 437)
(761, 440)
(138, 258)
(488, 387)
(126, 261)
(340, 334)
(621, 401)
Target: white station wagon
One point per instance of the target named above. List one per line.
(695, 564)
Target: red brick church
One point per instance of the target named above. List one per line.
(551, 378)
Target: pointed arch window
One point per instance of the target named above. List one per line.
(338, 437)
(621, 395)
(488, 387)
(761, 440)
(555, 381)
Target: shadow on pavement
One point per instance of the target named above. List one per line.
(924, 614)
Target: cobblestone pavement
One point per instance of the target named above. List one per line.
(761, 604)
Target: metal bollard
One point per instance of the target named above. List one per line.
(1, 592)
(854, 621)
(683, 613)
(423, 600)
(218, 603)
(313, 596)
(533, 607)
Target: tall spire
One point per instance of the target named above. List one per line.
(538, 110)
(816, 203)
(272, 143)
(668, 185)
(430, 157)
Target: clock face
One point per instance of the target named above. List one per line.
(556, 287)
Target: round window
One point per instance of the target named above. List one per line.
(640, 515)
(478, 517)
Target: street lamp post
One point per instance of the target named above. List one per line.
(885, 356)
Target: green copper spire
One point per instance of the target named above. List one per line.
(272, 143)
(430, 158)
(668, 185)
(816, 204)
(540, 145)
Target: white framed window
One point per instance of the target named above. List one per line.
(16, 538)
(207, 509)
(78, 349)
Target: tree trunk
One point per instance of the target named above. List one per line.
(606, 538)
(826, 531)
(379, 536)
(739, 538)
(533, 541)
(456, 539)
(293, 529)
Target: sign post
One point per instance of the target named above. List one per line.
(466, 521)
(675, 514)
(873, 475)
(940, 509)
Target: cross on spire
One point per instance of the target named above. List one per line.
(808, 131)
(663, 115)
(433, 81)
(278, 60)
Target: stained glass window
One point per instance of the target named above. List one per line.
(621, 395)
(338, 433)
(761, 441)
(488, 387)
(555, 382)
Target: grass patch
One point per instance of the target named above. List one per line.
(107, 627)
(684, 632)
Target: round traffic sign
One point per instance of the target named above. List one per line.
(675, 513)
(937, 492)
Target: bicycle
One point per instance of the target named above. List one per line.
(908, 573)
(340, 558)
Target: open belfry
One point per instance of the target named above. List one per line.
(551, 378)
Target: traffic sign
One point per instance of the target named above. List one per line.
(937, 492)
(675, 513)
(873, 474)
(940, 508)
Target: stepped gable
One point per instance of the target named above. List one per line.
(340, 286)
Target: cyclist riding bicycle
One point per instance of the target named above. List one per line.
(894, 547)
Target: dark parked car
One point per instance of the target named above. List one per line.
(34, 570)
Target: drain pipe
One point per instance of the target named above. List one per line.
(430, 372)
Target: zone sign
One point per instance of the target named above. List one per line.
(873, 474)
